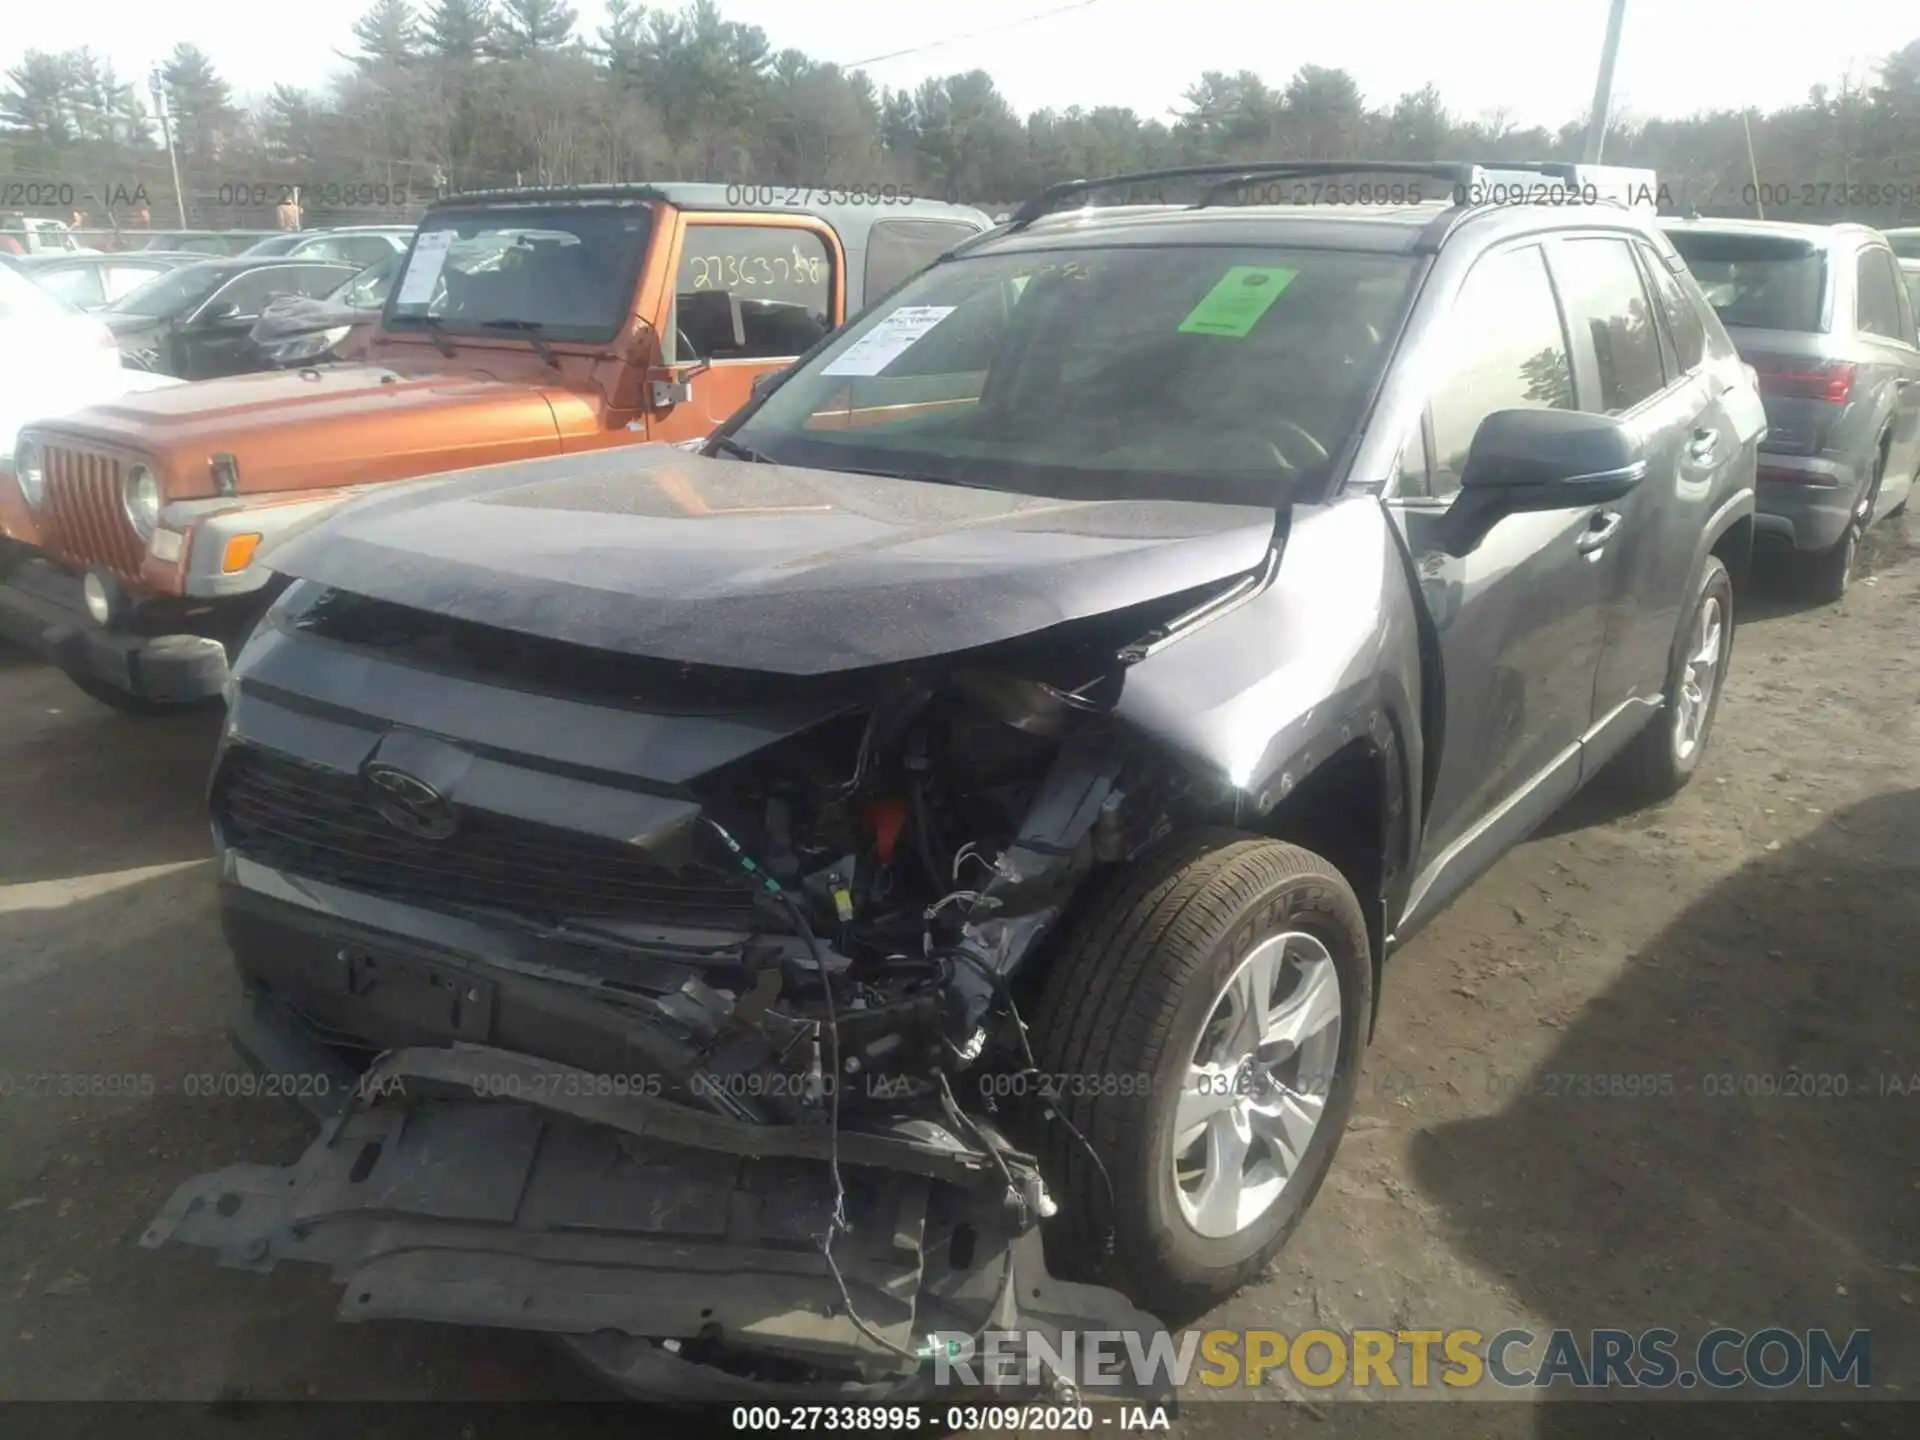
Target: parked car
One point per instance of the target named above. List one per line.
(293, 330)
(53, 359)
(194, 321)
(34, 236)
(523, 323)
(1823, 316)
(92, 282)
(1146, 618)
(281, 241)
(358, 245)
(207, 242)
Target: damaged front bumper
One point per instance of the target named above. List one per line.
(677, 1254)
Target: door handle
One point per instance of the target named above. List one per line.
(1702, 444)
(1600, 528)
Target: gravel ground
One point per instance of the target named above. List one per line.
(1766, 919)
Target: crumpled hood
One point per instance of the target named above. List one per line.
(653, 551)
(331, 426)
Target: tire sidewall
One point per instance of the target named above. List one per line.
(1714, 582)
(1326, 910)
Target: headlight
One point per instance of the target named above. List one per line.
(308, 347)
(142, 500)
(27, 468)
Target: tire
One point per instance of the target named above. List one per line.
(1828, 574)
(1655, 765)
(1129, 998)
(137, 705)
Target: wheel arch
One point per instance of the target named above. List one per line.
(1348, 796)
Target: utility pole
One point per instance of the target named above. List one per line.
(159, 89)
(1603, 87)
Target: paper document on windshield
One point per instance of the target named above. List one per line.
(889, 340)
(429, 259)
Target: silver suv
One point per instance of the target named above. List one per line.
(1822, 314)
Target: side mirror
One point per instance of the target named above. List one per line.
(1525, 461)
(765, 382)
(221, 312)
(1551, 460)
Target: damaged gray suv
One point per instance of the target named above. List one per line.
(753, 914)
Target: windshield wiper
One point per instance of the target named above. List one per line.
(531, 329)
(735, 448)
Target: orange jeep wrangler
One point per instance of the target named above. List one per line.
(523, 323)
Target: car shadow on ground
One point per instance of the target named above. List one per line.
(1733, 1193)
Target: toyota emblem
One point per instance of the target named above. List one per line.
(409, 803)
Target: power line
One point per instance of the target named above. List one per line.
(971, 35)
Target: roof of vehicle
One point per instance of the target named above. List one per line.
(1382, 229)
(48, 259)
(1816, 234)
(850, 222)
(357, 230)
(1065, 213)
(262, 262)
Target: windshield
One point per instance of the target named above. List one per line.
(1906, 243)
(171, 293)
(1197, 373)
(563, 272)
(1761, 282)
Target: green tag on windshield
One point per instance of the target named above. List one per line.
(1235, 305)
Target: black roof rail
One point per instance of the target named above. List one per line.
(1231, 176)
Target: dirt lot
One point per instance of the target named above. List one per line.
(1767, 919)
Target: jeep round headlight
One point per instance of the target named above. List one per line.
(28, 469)
(142, 500)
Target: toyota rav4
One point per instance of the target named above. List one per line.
(747, 913)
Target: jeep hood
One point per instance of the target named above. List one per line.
(329, 426)
(653, 551)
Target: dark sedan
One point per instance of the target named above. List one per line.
(90, 282)
(196, 321)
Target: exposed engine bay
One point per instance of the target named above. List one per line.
(810, 973)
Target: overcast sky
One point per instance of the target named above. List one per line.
(1534, 58)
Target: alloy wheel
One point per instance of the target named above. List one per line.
(1256, 1085)
(1699, 676)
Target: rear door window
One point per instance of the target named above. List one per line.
(1506, 350)
(1876, 301)
(1608, 309)
(1684, 322)
(751, 292)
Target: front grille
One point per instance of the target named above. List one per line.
(84, 521)
(321, 824)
